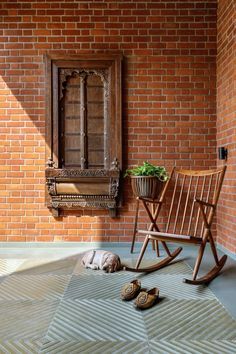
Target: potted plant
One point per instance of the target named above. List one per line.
(147, 180)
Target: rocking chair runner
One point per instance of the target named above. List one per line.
(191, 198)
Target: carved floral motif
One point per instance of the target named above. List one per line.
(51, 185)
(83, 173)
(114, 187)
(115, 164)
(83, 204)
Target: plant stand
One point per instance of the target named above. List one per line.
(155, 245)
(145, 188)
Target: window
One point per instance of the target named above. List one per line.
(84, 132)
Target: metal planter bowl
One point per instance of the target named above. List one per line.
(146, 186)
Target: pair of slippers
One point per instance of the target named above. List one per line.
(144, 299)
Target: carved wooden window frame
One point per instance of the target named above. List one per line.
(61, 181)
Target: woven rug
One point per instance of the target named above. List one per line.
(60, 307)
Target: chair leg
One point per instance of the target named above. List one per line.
(215, 270)
(213, 248)
(145, 243)
(135, 225)
(153, 245)
(166, 248)
(210, 275)
(157, 248)
(199, 259)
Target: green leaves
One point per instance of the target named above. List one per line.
(147, 169)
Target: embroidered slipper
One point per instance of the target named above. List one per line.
(146, 299)
(130, 291)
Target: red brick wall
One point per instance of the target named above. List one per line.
(226, 119)
(169, 103)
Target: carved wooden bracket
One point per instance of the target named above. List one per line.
(87, 189)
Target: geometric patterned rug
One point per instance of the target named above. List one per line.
(59, 307)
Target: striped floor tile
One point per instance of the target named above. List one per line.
(21, 346)
(33, 287)
(95, 347)
(192, 347)
(104, 286)
(189, 319)
(25, 319)
(97, 320)
(9, 266)
(47, 266)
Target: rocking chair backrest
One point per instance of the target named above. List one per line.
(182, 193)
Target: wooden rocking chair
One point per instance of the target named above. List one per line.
(191, 198)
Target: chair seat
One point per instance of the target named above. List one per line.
(165, 236)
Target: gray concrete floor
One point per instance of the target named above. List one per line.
(224, 286)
